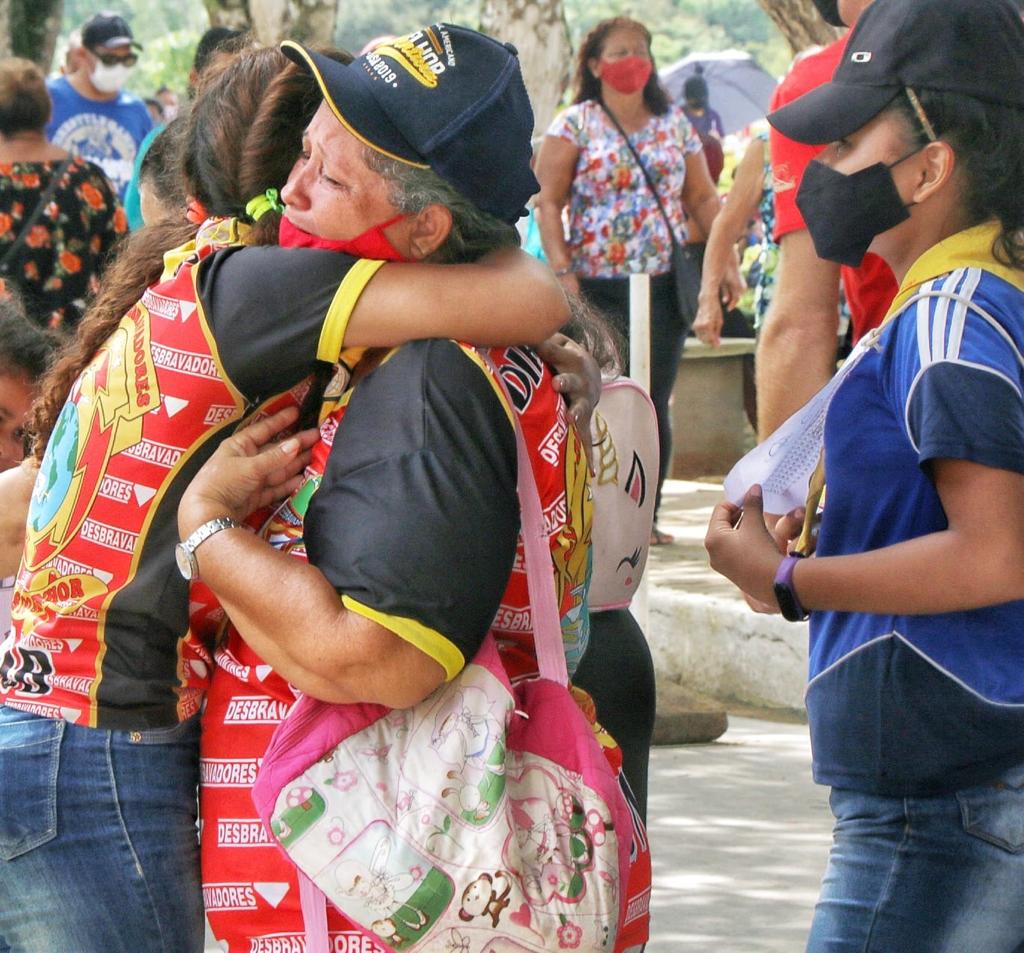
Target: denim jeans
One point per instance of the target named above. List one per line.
(98, 843)
(941, 874)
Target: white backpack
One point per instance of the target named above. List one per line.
(625, 436)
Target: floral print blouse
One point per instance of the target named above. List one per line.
(57, 264)
(615, 228)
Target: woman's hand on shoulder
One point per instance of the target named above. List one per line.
(249, 470)
(578, 380)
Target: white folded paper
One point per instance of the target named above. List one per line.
(783, 463)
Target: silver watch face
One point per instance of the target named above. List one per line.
(184, 559)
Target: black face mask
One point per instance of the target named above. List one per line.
(844, 213)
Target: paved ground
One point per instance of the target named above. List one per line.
(739, 836)
(683, 565)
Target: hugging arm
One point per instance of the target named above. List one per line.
(507, 297)
(290, 614)
(411, 536)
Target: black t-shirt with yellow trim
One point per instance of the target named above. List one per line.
(416, 518)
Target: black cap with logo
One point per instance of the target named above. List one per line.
(106, 30)
(972, 47)
(445, 98)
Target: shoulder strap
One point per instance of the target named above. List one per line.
(44, 200)
(540, 581)
(643, 169)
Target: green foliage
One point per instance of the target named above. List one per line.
(359, 23)
(169, 29)
(679, 26)
(28, 28)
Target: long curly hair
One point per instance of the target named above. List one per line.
(587, 86)
(244, 133)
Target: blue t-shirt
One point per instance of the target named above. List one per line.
(919, 704)
(106, 133)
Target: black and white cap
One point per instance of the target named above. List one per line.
(972, 47)
(107, 30)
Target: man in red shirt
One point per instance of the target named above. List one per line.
(797, 351)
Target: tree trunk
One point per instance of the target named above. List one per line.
(315, 20)
(33, 26)
(309, 21)
(800, 23)
(271, 20)
(233, 14)
(5, 29)
(538, 30)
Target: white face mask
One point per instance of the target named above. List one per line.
(110, 79)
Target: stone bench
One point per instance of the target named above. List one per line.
(710, 430)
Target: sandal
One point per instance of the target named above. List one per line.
(660, 538)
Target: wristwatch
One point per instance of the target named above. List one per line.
(185, 553)
(785, 594)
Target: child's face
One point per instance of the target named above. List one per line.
(15, 401)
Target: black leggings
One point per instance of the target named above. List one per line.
(618, 672)
(668, 334)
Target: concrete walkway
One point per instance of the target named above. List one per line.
(701, 632)
(739, 839)
(739, 832)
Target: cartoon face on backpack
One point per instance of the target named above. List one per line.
(487, 896)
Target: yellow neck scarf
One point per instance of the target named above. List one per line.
(971, 248)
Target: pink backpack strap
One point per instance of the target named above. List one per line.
(540, 580)
(314, 914)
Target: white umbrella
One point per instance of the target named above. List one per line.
(738, 89)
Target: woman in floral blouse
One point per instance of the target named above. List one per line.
(616, 229)
(54, 259)
(615, 226)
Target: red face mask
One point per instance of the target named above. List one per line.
(628, 75)
(372, 243)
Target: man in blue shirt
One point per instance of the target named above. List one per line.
(92, 116)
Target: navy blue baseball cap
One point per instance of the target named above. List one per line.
(106, 30)
(445, 98)
(971, 47)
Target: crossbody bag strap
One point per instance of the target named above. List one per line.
(643, 169)
(44, 200)
(540, 579)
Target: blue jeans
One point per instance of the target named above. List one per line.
(940, 874)
(98, 844)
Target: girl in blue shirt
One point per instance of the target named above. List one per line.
(916, 697)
